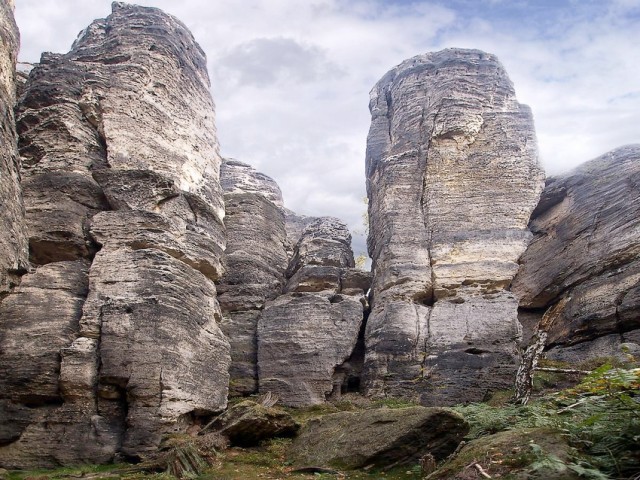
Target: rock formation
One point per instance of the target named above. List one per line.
(582, 268)
(306, 335)
(256, 264)
(248, 423)
(381, 437)
(118, 321)
(292, 302)
(13, 240)
(126, 319)
(452, 178)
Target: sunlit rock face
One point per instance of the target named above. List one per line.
(125, 217)
(452, 179)
(13, 240)
(584, 259)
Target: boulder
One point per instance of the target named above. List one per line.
(248, 423)
(381, 438)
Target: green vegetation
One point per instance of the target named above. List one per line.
(589, 431)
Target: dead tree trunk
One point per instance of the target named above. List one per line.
(531, 356)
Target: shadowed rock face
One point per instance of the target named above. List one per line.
(584, 257)
(306, 335)
(13, 240)
(125, 212)
(452, 178)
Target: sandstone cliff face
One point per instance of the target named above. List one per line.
(256, 264)
(125, 210)
(584, 260)
(306, 335)
(452, 178)
(291, 300)
(13, 240)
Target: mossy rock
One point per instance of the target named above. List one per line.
(380, 437)
(519, 454)
(248, 423)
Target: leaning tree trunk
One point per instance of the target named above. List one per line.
(524, 375)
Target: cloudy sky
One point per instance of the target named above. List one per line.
(291, 78)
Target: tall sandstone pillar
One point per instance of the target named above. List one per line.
(113, 340)
(452, 179)
(13, 240)
(256, 264)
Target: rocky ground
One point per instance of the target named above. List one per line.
(589, 430)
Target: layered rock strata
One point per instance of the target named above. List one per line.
(582, 268)
(306, 335)
(256, 264)
(125, 209)
(452, 178)
(13, 240)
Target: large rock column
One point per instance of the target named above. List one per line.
(125, 211)
(13, 240)
(452, 178)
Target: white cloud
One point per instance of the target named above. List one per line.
(291, 79)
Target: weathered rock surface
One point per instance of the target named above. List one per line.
(295, 225)
(48, 413)
(256, 264)
(160, 350)
(120, 158)
(292, 314)
(239, 177)
(306, 335)
(13, 240)
(452, 178)
(585, 256)
(512, 447)
(381, 437)
(248, 423)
